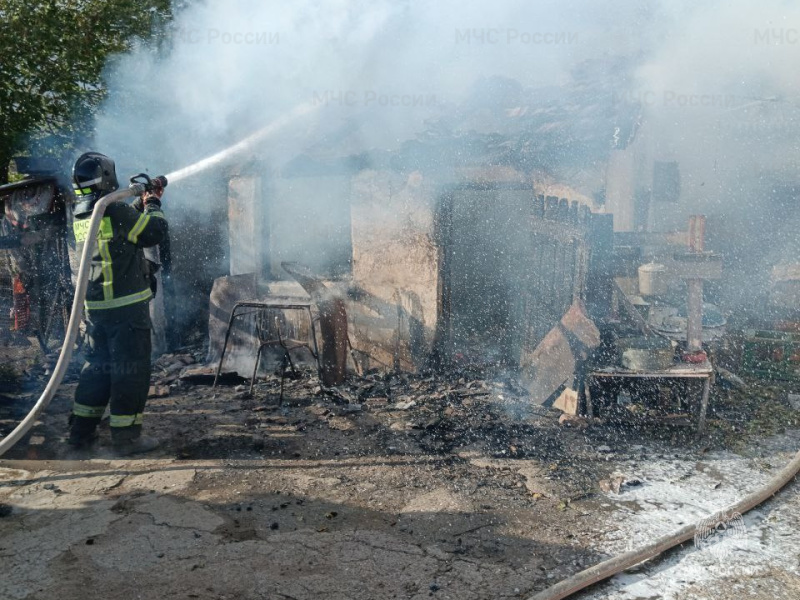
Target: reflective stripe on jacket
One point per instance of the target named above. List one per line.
(118, 275)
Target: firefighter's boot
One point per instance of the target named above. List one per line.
(138, 445)
(82, 431)
(80, 441)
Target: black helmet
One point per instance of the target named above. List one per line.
(93, 177)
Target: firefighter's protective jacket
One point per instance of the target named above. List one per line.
(119, 274)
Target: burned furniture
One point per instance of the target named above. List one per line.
(265, 331)
(38, 273)
(703, 371)
(665, 348)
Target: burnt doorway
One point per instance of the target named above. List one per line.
(486, 245)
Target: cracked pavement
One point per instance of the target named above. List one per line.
(457, 498)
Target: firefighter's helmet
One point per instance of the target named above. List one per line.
(93, 176)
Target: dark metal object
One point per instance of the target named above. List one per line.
(286, 344)
(332, 323)
(702, 371)
(150, 184)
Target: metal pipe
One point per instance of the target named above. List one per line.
(694, 315)
(612, 566)
(694, 302)
(75, 317)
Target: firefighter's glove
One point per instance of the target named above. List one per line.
(151, 200)
(156, 192)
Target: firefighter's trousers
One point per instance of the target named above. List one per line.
(117, 371)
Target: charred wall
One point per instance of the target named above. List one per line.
(512, 265)
(485, 238)
(438, 272)
(394, 296)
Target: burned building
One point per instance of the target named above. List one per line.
(463, 246)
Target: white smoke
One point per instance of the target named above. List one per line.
(725, 102)
(717, 81)
(725, 97)
(231, 67)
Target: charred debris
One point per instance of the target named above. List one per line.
(515, 239)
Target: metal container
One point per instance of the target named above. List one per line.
(646, 353)
(652, 280)
(670, 322)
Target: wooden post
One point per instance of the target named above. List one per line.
(694, 324)
(249, 238)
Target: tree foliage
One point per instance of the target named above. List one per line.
(52, 57)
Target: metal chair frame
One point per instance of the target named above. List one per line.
(286, 345)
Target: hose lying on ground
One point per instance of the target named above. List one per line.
(561, 590)
(615, 565)
(75, 316)
(135, 189)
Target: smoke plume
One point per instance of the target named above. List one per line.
(715, 83)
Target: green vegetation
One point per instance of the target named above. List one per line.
(52, 59)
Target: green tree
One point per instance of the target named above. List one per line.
(52, 54)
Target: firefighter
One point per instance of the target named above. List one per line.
(118, 344)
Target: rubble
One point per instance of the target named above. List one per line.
(405, 405)
(205, 376)
(471, 451)
(568, 420)
(158, 391)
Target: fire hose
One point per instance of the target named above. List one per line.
(139, 185)
(564, 589)
(617, 564)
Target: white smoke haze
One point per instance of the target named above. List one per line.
(716, 80)
(730, 57)
(234, 66)
(723, 90)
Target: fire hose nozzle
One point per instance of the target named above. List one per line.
(143, 183)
